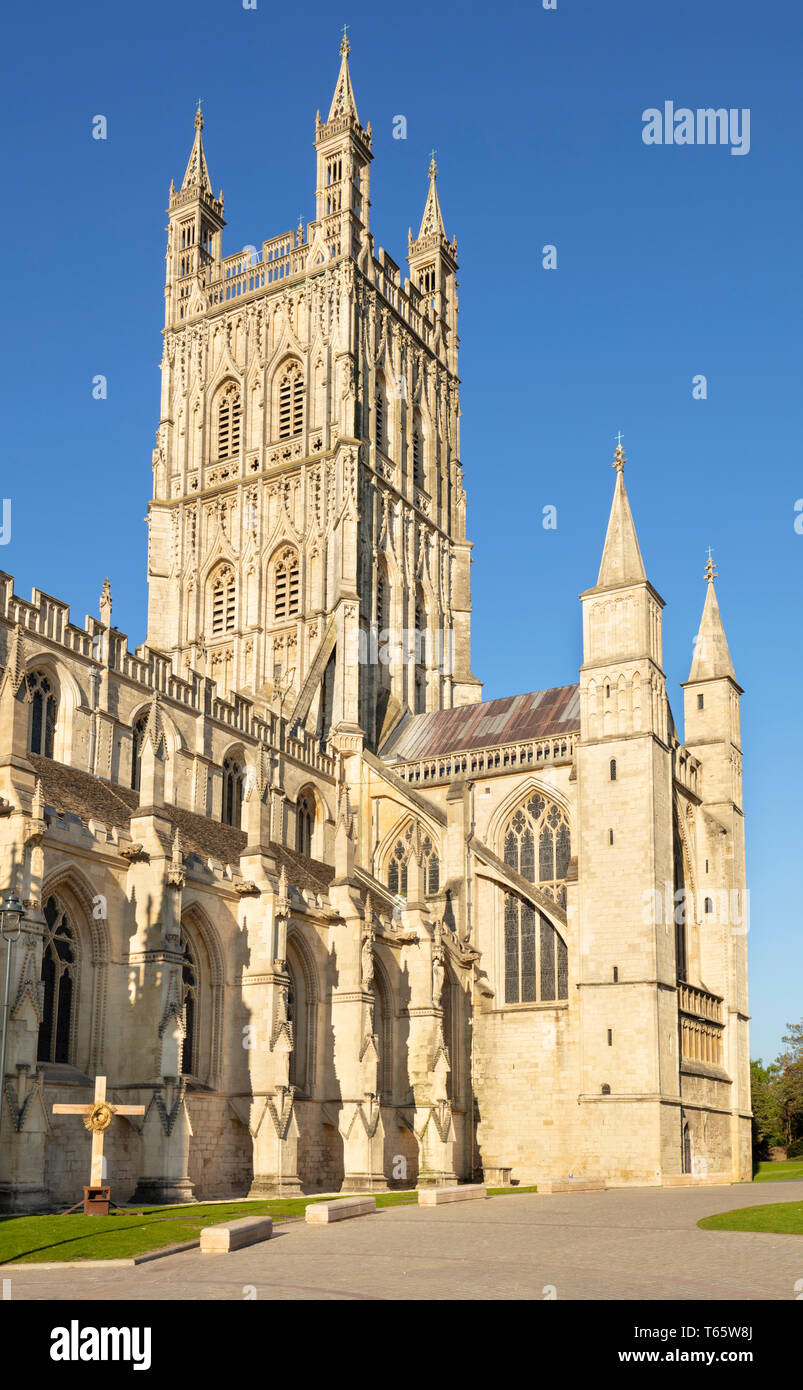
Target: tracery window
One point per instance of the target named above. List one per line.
(137, 741)
(305, 822)
(291, 401)
(418, 450)
(43, 714)
(229, 418)
(223, 601)
(232, 792)
(189, 1000)
(431, 866)
(381, 421)
(399, 860)
(286, 586)
(59, 965)
(397, 864)
(537, 845)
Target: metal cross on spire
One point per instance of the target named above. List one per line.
(344, 42)
(199, 115)
(619, 459)
(710, 568)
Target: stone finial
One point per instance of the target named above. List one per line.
(710, 568)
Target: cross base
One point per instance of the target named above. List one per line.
(96, 1201)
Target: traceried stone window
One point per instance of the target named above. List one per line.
(537, 845)
(381, 415)
(431, 866)
(189, 1000)
(232, 792)
(229, 418)
(305, 823)
(399, 859)
(137, 742)
(59, 966)
(286, 586)
(397, 864)
(291, 401)
(222, 600)
(43, 713)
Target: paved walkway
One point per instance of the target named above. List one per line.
(622, 1244)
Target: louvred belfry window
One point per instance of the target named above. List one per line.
(223, 602)
(286, 586)
(229, 415)
(291, 402)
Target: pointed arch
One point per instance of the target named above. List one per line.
(284, 584)
(221, 600)
(88, 914)
(227, 413)
(287, 398)
(410, 834)
(304, 998)
(208, 957)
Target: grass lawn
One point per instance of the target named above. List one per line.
(38, 1239)
(778, 1172)
(782, 1218)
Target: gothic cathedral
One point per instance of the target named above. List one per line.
(333, 921)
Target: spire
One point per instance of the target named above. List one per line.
(432, 221)
(711, 656)
(621, 558)
(343, 103)
(197, 172)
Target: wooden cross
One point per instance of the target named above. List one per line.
(97, 1117)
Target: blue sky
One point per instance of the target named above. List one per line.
(673, 261)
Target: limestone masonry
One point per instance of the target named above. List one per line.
(289, 883)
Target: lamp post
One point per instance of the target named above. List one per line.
(11, 915)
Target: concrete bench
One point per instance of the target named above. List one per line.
(322, 1213)
(438, 1196)
(233, 1235)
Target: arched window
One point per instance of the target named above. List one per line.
(189, 1001)
(420, 638)
(613, 769)
(43, 713)
(301, 997)
(431, 866)
(384, 1034)
(286, 586)
(232, 792)
(397, 865)
(305, 823)
(222, 589)
(229, 416)
(137, 737)
(418, 449)
(59, 965)
(382, 601)
(381, 414)
(538, 846)
(291, 401)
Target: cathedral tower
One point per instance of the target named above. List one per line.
(307, 530)
(627, 967)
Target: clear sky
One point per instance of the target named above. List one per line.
(673, 261)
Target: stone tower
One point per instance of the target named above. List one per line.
(627, 968)
(307, 530)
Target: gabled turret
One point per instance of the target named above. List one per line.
(711, 698)
(194, 232)
(342, 197)
(433, 267)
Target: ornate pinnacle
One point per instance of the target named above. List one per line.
(710, 569)
(433, 168)
(344, 43)
(199, 117)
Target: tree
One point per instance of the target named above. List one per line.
(789, 1085)
(768, 1128)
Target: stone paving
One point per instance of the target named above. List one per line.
(622, 1244)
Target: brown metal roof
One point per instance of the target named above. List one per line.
(539, 714)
